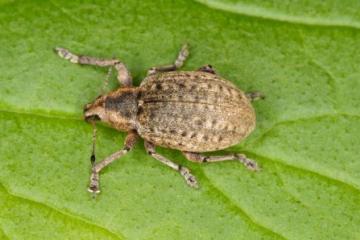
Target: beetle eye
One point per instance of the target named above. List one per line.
(92, 118)
(98, 97)
(86, 107)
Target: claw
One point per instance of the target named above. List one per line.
(93, 189)
(66, 54)
(94, 184)
(183, 54)
(185, 50)
(249, 163)
(189, 178)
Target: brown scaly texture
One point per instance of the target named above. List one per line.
(193, 111)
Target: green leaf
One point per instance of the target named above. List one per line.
(329, 13)
(306, 140)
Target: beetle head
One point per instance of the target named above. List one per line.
(95, 111)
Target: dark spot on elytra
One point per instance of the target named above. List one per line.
(193, 135)
(152, 116)
(183, 134)
(198, 122)
(209, 85)
(214, 122)
(158, 86)
(139, 95)
(140, 110)
(220, 138)
(205, 138)
(172, 131)
(229, 91)
(181, 85)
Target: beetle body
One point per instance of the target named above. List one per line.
(191, 111)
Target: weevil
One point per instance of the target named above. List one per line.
(191, 111)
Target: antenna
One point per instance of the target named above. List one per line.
(106, 83)
(93, 158)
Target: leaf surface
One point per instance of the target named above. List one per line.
(306, 140)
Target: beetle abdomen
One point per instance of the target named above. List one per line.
(193, 111)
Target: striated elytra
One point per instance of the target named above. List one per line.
(192, 111)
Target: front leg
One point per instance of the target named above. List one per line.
(123, 76)
(130, 141)
(189, 178)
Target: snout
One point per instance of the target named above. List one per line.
(91, 118)
(89, 115)
(86, 108)
(95, 110)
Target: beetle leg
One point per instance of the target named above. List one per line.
(198, 157)
(207, 68)
(183, 54)
(130, 141)
(189, 178)
(253, 96)
(124, 76)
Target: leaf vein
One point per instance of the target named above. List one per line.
(226, 200)
(299, 168)
(66, 214)
(292, 121)
(3, 234)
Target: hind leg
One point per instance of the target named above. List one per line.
(189, 178)
(198, 157)
(254, 96)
